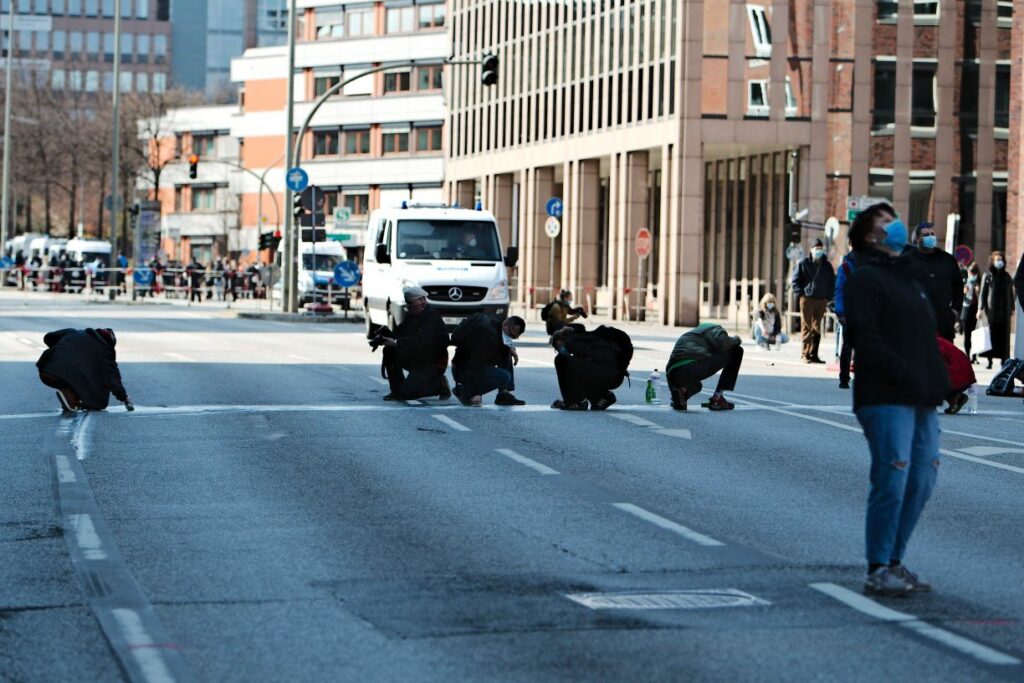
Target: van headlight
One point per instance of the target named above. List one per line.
(498, 292)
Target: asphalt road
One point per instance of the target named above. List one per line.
(264, 516)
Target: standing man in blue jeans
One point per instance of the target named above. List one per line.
(900, 381)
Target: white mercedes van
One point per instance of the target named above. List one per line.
(453, 253)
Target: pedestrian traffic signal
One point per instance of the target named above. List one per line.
(489, 69)
(193, 166)
(298, 210)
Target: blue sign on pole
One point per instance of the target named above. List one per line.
(296, 179)
(143, 276)
(554, 207)
(346, 274)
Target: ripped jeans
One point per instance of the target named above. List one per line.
(904, 444)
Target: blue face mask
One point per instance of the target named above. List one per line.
(929, 241)
(972, 278)
(896, 235)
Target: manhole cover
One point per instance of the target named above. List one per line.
(683, 599)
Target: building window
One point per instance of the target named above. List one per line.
(126, 81)
(76, 41)
(791, 103)
(325, 143)
(42, 42)
(359, 21)
(926, 9)
(428, 139)
(108, 47)
(92, 80)
(431, 16)
(142, 47)
(177, 200)
(203, 199)
(141, 9)
(108, 81)
(358, 203)
(396, 140)
(757, 98)
(324, 82)
(58, 8)
(75, 79)
(887, 9)
(1002, 119)
(330, 22)
(160, 48)
(126, 47)
(885, 95)
(357, 142)
(401, 19)
(142, 82)
(159, 83)
(760, 30)
(397, 81)
(920, 201)
(57, 79)
(1004, 13)
(59, 44)
(429, 77)
(203, 145)
(92, 8)
(922, 97)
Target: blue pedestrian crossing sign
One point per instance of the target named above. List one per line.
(346, 274)
(296, 179)
(143, 276)
(554, 207)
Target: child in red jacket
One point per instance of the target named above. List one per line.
(961, 375)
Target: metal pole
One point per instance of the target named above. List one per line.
(5, 228)
(288, 255)
(115, 189)
(551, 270)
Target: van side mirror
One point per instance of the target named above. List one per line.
(512, 257)
(381, 254)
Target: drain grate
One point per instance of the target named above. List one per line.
(680, 599)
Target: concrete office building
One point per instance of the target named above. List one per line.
(78, 53)
(712, 122)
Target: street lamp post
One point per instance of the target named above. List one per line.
(115, 190)
(288, 303)
(5, 229)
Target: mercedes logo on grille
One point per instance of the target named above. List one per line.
(455, 294)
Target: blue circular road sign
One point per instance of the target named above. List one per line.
(296, 179)
(554, 207)
(143, 276)
(346, 274)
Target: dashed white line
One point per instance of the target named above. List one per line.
(65, 475)
(667, 524)
(177, 356)
(523, 460)
(86, 537)
(655, 428)
(633, 419)
(414, 402)
(304, 359)
(959, 643)
(144, 650)
(444, 419)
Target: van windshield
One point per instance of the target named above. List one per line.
(323, 261)
(447, 240)
(91, 256)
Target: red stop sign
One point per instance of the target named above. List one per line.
(643, 243)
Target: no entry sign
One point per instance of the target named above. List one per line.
(643, 243)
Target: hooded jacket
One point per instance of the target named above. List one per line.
(481, 345)
(892, 330)
(87, 362)
(700, 343)
(422, 341)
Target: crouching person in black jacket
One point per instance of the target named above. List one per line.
(484, 359)
(589, 365)
(698, 355)
(82, 366)
(419, 346)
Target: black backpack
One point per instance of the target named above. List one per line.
(546, 311)
(1002, 383)
(465, 329)
(621, 341)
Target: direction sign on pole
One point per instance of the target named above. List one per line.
(342, 215)
(346, 274)
(832, 228)
(643, 243)
(554, 207)
(552, 226)
(296, 179)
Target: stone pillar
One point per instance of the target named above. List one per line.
(634, 217)
(588, 202)
(1015, 185)
(465, 193)
(500, 204)
(542, 188)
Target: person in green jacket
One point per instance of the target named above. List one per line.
(698, 355)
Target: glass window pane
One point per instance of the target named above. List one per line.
(159, 83)
(57, 7)
(142, 9)
(57, 79)
(43, 41)
(92, 8)
(108, 8)
(142, 82)
(59, 38)
(74, 8)
(126, 81)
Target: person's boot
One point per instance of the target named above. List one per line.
(604, 402)
(69, 400)
(679, 399)
(445, 392)
(506, 398)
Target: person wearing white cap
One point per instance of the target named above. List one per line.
(419, 346)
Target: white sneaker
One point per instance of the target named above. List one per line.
(884, 581)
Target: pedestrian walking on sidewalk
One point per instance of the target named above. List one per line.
(996, 306)
(814, 283)
(696, 356)
(82, 366)
(939, 274)
(900, 380)
(969, 309)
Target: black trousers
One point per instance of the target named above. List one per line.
(689, 376)
(580, 379)
(845, 357)
(419, 383)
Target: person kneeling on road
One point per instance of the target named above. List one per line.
(961, 375)
(698, 355)
(418, 345)
(82, 366)
(484, 358)
(589, 365)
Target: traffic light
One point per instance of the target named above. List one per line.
(193, 166)
(489, 69)
(276, 240)
(266, 240)
(298, 210)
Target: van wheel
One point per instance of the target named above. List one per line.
(371, 329)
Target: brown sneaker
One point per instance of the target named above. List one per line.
(719, 403)
(679, 399)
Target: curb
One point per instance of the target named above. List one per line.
(299, 317)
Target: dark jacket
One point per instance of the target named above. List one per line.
(422, 341)
(996, 296)
(700, 343)
(594, 348)
(481, 346)
(939, 274)
(1018, 281)
(814, 279)
(87, 362)
(892, 330)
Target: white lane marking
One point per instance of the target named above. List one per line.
(867, 606)
(28, 342)
(444, 419)
(82, 437)
(535, 362)
(858, 430)
(523, 460)
(177, 356)
(65, 475)
(380, 380)
(87, 538)
(145, 652)
(655, 428)
(667, 524)
(295, 356)
(706, 598)
(985, 451)
(633, 419)
(414, 402)
(27, 416)
(993, 439)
